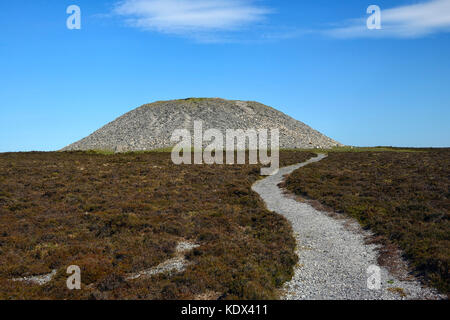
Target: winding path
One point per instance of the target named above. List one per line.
(333, 256)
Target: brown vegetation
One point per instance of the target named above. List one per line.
(401, 196)
(114, 215)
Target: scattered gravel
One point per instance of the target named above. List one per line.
(40, 279)
(333, 256)
(174, 265)
(185, 246)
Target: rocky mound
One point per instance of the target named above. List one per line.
(151, 126)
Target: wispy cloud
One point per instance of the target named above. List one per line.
(191, 18)
(410, 21)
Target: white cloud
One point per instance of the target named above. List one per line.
(411, 21)
(191, 17)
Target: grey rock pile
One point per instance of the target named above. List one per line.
(151, 126)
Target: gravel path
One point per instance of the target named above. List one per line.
(333, 256)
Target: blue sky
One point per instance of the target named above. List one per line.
(309, 59)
